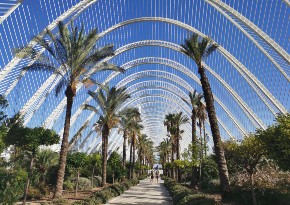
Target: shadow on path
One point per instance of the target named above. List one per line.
(145, 193)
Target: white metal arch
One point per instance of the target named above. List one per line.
(238, 125)
(254, 28)
(235, 62)
(10, 10)
(242, 104)
(239, 66)
(78, 8)
(187, 111)
(251, 38)
(179, 80)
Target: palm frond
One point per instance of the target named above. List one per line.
(108, 66)
(210, 49)
(40, 66)
(90, 82)
(94, 58)
(97, 98)
(60, 86)
(64, 35)
(91, 108)
(202, 45)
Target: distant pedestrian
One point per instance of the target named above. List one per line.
(157, 175)
(152, 176)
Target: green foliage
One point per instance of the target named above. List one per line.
(93, 162)
(209, 171)
(104, 195)
(115, 167)
(68, 185)
(181, 164)
(34, 193)
(76, 160)
(3, 104)
(45, 161)
(181, 195)
(12, 185)
(84, 184)
(230, 148)
(246, 155)
(276, 140)
(168, 165)
(3, 128)
(30, 138)
(3, 133)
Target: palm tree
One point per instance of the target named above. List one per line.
(144, 144)
(164, 150)
(126, 117)
(201, 118)
(135, 130)
(194, 102)
(169, 123)
(179, 119)
(45, 159)
(74, 54)
(198, 51)
(109, 101)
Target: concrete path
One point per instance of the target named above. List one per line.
(144, 193)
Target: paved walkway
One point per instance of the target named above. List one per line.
(145, 193)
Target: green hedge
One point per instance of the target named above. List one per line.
(104, 195)
(182, 195)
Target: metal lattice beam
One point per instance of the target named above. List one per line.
(255, 28)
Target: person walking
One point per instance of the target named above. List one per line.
(157, 175)
(152, 176)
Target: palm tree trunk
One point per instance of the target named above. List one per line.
(140, 161)
(124, 149)
(219, 151)
(77, 183)
(201, 143)
(194, 180)
(64, 145)
(252, 189)
(105, 135)
(172, 160)
(177, 146)
(130, 163)
(204, 138)
(28, 179)
(201, 151)
(93, 177)
(133, 163)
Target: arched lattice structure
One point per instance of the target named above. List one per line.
(249, 74)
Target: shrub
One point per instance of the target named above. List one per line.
(84, 184)
(12, 186)
(34, 193)
(68, 185)
(104, 195)
(60, 201)
(181, 195)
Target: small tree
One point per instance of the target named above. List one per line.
(247, 155)
(76, 160)
(29, 139)
(115, 163)
(276, 140)
(94, 163)
(3, 128)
